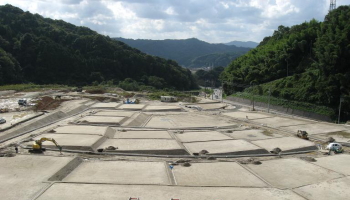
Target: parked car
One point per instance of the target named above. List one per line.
(334, 146)
(2, 121)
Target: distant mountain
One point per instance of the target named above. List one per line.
(184, 51)
(248, 44)
(216, 59)
(41, 50)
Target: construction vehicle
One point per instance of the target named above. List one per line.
(38, 148)
(335, 147)
(302, 134)
(22, 102)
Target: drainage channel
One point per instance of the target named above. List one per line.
(175, 156)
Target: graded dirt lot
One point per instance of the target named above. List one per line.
(292, 173)
(24, 176)
(282, 121)
(188, 120)
(116, 121)
(60, 191)
(73, 141)
(253, 134)
(145, 146)
(337, 163)
(333, 189)
(247, 115)
(131, 107)
(226, 174)
(159, 154)
(197, 136)
(120, 172)
(285, 144)
(113, 113)
(151, 108)
(110, 105)
(146, 134)
(88, 130)
(225, 147)
(317, 128)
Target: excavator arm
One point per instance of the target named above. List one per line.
(37, 146)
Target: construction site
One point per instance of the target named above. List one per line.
(85, 149)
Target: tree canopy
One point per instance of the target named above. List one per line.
(307, 62)
(44, 51)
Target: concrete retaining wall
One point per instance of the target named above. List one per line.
(282, 109)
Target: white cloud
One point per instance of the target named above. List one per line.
(210, 20)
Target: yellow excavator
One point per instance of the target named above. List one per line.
(38, 148)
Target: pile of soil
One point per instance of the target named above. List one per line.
(48, 103)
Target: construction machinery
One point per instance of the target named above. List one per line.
(38, 148)
(335, 147)
(302, 134)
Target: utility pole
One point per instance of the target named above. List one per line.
(332, 5)
(268, 106)
(252, 85)
(222, 91)
(287, 66)
(340, 101)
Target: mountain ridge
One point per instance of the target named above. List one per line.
(182, 51)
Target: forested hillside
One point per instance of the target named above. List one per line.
(186, 52)
(41, 50)
(308, 62)
(216, 59)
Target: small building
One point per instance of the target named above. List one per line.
(168, 99)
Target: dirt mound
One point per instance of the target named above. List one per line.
(309, 159)
(48, 103)
(186, 164)
(250, 161)
(276, 150)
(330, 139)
(203, 152)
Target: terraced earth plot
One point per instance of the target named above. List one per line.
(111, 106)
(333, 189)
(142, 134)
(120, 172)
(286, 144)
(23, 176)
(72, 141)
(113, 113)
(226, 174)
(253, 134)
(59, 191)
(152, 108)
(116, 121)
(131, 107)
(188, 121)
(200, 136)
(283, 121)
(339, 136)
(145, 146)
(85, 130)
(317, 128)
(338, 163)
(247, 115)
(229, 147)
(292, 173)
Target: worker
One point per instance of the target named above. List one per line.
(16, 149)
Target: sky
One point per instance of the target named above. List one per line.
(213, 21)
